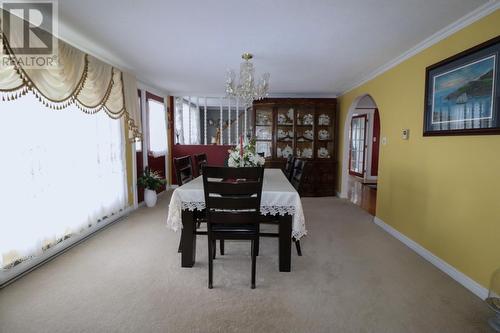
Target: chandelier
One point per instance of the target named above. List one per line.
(246, 90)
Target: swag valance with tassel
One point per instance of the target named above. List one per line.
(78, 78)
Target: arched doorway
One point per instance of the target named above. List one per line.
(361, 153)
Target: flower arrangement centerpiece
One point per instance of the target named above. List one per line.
(244, 155)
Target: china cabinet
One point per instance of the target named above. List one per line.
(304, 128)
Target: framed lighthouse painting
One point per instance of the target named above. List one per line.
(462, 94)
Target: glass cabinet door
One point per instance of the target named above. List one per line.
(324, 133)
(304, 132)
(285, 131)
(264, 131)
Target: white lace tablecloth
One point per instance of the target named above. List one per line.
(278, 197)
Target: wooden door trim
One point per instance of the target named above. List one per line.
(365, 116)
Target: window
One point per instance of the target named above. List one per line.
(210, 120)
(63, 171)
(157, 128)
(187, 122)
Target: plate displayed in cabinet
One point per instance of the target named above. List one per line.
(308, 134)
(323, 119)
(308, 119)
(262, 120)
(263, 134)
(323, 135)
(323, 153)
(306, 153)
(283, 120)
(285, 152)
(284, 134)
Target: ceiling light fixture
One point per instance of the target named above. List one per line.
(246, 90)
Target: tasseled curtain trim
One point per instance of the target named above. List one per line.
(15, 82)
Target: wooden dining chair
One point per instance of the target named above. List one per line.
(184, 174)
(297, 173)
(232, 201)
(289, 167)
(199, 161)
(183, 169)
(298, 180)
(299, 168)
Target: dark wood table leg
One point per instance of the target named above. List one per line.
(221, 247)
(285, 241)
(188, 239)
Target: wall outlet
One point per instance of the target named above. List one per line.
(405, 134)
(384, 141)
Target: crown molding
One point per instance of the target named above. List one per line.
(71, 36)
(68, 34)
(449, 30)
(271, 95)
(197, 94)
(303, 95)
(152, 89)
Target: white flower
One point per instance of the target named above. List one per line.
(248, 159)
(232, 163)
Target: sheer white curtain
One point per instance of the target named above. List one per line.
(157, 128)
(195, 134)
(61, 172)
(179, 121)
(188, 124)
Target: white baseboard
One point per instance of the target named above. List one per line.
(9, 276)
(454, 273)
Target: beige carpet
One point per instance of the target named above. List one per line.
(353, 277)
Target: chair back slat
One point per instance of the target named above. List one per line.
(235, 188)
(183, 169)
(234, 218)
(235, 173)
(232, 202)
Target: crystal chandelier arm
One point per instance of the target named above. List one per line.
(230, 79)
(263, 87)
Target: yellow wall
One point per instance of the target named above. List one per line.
(442, 192)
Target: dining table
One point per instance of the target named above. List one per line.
(279, 200)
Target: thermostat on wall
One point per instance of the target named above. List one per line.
(405, 134)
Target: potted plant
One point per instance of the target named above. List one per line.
(150, 181)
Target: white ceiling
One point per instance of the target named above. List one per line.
(315, 47)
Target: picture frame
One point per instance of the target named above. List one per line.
(462, 93)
